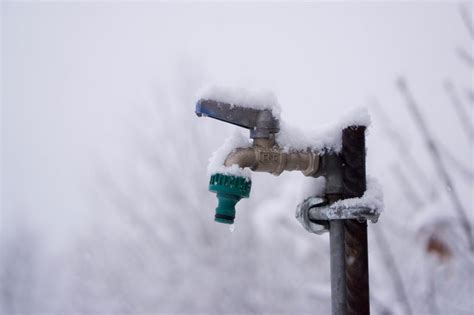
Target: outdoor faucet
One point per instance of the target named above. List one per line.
(343, 210)
(263, 156)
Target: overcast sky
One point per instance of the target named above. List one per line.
(73, 73)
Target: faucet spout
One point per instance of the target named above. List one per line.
(242, 157)
(264, 156)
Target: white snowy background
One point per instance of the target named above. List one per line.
(104, 203)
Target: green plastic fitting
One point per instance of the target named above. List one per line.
(229, 189)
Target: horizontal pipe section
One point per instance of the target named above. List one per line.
(263, 158)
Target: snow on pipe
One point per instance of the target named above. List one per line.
(263, 155)
(338, 154)
(273, 147)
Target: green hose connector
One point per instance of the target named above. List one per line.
(229, 189)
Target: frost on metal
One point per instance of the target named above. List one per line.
(372, 199)
(260, 99)
(325, 138)
(216, 162)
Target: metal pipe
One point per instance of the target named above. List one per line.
(357, 267)
(338, 267)
(345, 178)
(263, 156)
(354, 185)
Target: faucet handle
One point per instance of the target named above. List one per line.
(261, 122)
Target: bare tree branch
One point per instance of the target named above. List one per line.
(437, 160)
(466, 16)
(463, 170)
(459, 108)
(431, 296)
(394, 272)
(465, 56)
(402, 148)
(470, 96)
(405, 184)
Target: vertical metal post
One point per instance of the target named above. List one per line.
(357, 267)
(338, 267)
(336, 237)
(355, 234)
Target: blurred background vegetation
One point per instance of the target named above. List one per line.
(105, 207)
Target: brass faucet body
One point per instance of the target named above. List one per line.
(266, 156)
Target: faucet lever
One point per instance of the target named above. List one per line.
(261, 122)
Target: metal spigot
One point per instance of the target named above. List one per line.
(345, 176)
(264, 155)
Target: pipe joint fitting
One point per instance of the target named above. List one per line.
(263, 158)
